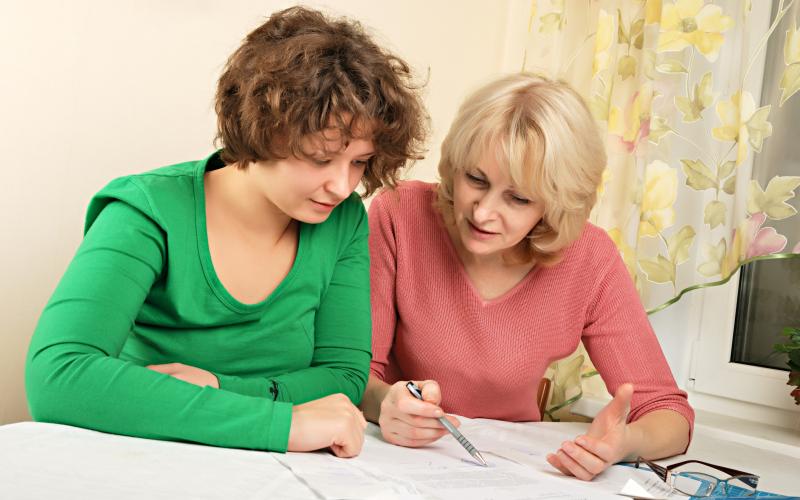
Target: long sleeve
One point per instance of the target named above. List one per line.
(73, 374)
(342, 331)
(383, 271)
(623, 346)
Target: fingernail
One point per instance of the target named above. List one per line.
(438, 413)
(568, 446)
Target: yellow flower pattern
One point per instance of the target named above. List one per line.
(692, 22)
(742, 123)
(632, 124)
(668, 81)
(658, 199)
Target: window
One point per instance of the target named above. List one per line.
(742, 320)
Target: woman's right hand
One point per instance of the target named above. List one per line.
(332, 421)
(407, 421)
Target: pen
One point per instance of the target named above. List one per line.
(417, 393)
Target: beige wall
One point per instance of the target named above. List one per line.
(92, 90)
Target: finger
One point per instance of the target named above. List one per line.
(430, 391)
(555, 462)
(401, 440)
(453, 420)
(592, 463)
(348, 445)
(574, 468)
(160, 368)
(596, 447)
(414, 432)
(410, 405)
(621, 404)
(361, 419)
(416, 421)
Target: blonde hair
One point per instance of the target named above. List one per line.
(543, 132)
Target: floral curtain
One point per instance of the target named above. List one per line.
(677, 88)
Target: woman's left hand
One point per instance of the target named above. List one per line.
(607, 442)
(191, 374)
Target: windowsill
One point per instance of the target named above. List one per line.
(755, 434)
(758, 435)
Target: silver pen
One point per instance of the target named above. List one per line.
(417, 393)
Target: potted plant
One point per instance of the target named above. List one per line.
(792, 348)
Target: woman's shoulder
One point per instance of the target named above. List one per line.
(593, 247)
(408, 197)
(148, 192)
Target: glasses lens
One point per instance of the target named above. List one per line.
(695, 484)
(742, 485)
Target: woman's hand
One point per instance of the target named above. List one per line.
(332, 421)
(607, 442)
(407, 421)
(191, 374)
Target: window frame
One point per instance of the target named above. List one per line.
(713, 373)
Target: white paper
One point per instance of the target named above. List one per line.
(56, 461)
(445, 470)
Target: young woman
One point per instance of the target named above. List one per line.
(481, 281)
(226, 301)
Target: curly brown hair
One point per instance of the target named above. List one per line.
(301, 73)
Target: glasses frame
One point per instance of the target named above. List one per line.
(665, 474)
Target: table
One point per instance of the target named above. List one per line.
(40, 460)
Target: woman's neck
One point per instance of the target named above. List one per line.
(235, 199)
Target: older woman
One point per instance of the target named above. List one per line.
(481, 281)
(226, 300)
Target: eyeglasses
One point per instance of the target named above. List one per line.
(696, 483)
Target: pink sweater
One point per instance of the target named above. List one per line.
(429, 322)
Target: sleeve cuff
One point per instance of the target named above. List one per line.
(248, 387)
(280, 424)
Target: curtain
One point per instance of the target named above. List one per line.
(677, 89)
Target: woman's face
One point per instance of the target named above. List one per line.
(491, 215)
(308, 189)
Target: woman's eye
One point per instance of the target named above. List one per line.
(475, 180)
(361, 163)
(519, 200)
(321, 161)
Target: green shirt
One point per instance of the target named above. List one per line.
(142, 290)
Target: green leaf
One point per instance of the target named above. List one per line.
(772, 201)
(671, 66)
(660, 270)
(698, 175)
(679, 243)
(791, 45)
(637, 33)
(730, 185)
(550, 23)
(659, 127)
(714, 214)
(622, 37)
(790, 82)
(626, 67)
(716, 254)
(701, 98)
(726, 169)
(758, 128)
(691, 112)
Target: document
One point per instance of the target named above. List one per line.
(444, 470)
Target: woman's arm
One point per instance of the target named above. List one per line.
(373, 397)
(73, 375)
(610, 439)
(649, 416)
(404, 420)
